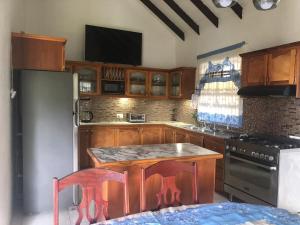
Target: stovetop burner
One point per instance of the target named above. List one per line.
(277, 142)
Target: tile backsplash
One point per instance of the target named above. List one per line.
(270, 115)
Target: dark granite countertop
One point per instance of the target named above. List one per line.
(155, 152)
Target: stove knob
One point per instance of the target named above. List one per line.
(256, 155)
(266, 157)
(262, 156)
(253, 154)
(271, 158)
(234, 148)
(227, 147)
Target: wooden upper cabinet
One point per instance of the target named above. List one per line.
(128, 136)
(282, 67)
(137, 83)
(36, 52)
(158, 84)
(89, 78)
(151, 135)
(254, 70)
(182, 83)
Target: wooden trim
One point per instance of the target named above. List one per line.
(163, 18)
(206, 11)
(183, 15)
(38, 37)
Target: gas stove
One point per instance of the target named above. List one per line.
(261, 148)
(256, 168)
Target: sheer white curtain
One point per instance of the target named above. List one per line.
(219, 81)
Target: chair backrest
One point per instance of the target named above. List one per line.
(167, 170)
(90, 181)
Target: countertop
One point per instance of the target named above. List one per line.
(176, 124)
(135, 154)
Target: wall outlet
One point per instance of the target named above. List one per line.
(120, 116)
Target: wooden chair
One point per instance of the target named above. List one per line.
(167, 171)
(90, 182)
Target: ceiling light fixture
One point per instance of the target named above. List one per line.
(224, 3)
(265, 4)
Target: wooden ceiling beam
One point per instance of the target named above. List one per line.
(238, 9)
(206, 11)
(183, 15)
(163, 18)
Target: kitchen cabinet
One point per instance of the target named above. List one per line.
(255, 69)
(128, 136)
(273, 66)
(182, 83)
(36, 52)
(84, 144)
(151, 135)
(102, 137)
(158, 84)
(196, 139)
(180, 136)
(218, 145)
(169, 136)
(282, 67)
(137, 83)
(89, 78)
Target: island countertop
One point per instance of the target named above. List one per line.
(136, 154)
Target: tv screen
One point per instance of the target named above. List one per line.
(113, 46)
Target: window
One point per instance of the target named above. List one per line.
(219, 81)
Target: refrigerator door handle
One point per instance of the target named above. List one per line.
(77, 118)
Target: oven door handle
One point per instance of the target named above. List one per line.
(271, 168)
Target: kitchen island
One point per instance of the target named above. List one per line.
(132, 158)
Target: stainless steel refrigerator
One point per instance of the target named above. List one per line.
(49, 106)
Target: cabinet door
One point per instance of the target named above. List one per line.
(158, 84)
(169, 136)
(89, 79)
(84, 144)
(180, 137)
(137, 83)
(175, 84)
(151, 135)
(128, 136)
(254, 70)
(102, 137)
(196, 139)
(282, 67)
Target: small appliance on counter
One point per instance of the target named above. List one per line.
(136, 118)
(86, 116)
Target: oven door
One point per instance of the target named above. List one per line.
(254, 178)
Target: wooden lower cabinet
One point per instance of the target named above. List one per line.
(128, 136)
(218, 145)
(180, 136)
(169, 137)
(196, 139)
(84, 144)
(151, 135)
(102, 137)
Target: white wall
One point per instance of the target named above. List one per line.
(7, 21)
(67, 18)
(259, 29)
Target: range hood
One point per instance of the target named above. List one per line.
(275, 90)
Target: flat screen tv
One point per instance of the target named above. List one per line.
(113, 46)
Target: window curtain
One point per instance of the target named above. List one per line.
(218, 82)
